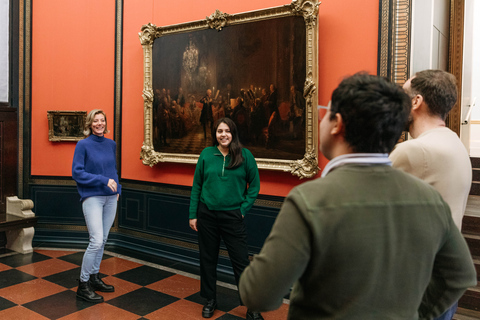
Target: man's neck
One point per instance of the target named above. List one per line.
(424, 124)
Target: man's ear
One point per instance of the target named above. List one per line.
(417, 101)
(338, 126)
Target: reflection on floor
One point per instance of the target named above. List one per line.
(42, 285)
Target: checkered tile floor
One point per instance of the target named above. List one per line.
(42, 285)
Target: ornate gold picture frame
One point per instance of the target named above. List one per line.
(394, 40)
(66, 125)
(235, 58)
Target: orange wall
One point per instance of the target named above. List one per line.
(73, 55)
(348, 32)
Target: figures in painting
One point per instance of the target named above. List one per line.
(297, 112)
(266, 119)
(206, 117)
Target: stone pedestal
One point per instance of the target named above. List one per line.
(20, 238)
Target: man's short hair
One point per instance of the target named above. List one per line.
(374, 112)
(438, 89)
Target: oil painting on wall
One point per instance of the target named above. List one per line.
(255, 73)
(66, 125)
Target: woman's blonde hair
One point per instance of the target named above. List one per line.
(88, 123)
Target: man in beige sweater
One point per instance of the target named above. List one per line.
(435, 154)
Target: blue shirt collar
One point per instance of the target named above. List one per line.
(366, 159)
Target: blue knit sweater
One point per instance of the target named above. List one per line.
(94, 163)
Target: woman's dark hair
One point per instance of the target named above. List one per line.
(235, 147)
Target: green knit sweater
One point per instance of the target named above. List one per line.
(221, 188)
(364, 242)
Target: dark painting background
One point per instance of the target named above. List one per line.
(255, 54)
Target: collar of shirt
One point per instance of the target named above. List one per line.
(366, 159)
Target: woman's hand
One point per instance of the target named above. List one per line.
(193, 224)
(112, 185)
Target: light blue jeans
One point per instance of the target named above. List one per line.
(99, 213)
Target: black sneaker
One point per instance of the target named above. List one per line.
(254, 315)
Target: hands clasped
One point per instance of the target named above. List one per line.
(112, 185)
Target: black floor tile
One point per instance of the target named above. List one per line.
(77, 258)
(142, 301)
(67, 279)
(187, 268)
(12, 277)
(5, 304)
(4, 250)
(19, 260)
(227, 278)
(227, 299)
(143, 256)
(228, 316)
(58, 305)
(144, 275)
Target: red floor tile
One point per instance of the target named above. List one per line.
(240, 311)
(280, 313)
(178, 286)
(20, 313)
(101, 311)
(47, 267)
(29, 291)
(182, 309)
(4, 267)
(116, 265)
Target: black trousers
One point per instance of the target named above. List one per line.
(212, 227)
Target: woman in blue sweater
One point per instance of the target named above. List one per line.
(94, 168)
(225, 186)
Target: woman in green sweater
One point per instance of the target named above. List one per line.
(225, 186)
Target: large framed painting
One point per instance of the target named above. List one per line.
(258, 68)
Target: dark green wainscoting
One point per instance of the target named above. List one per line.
(151, 220)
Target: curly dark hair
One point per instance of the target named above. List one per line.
(438, 89)
(374, 112)
(236, 157)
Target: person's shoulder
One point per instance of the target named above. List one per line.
(407, 145)
(410, 181)
(247, 152)
(82, 143)
(248, 156)
(208, 151)
(406, 150)
(111, 141)
(313, 189)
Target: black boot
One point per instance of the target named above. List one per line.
(98, 285)
(85, 292)
(209, 308)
